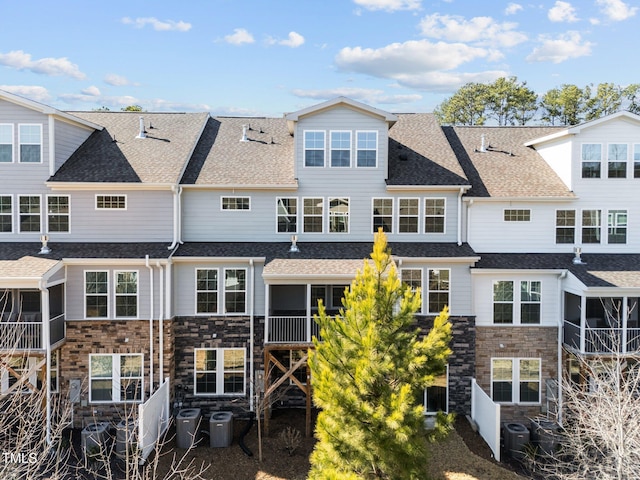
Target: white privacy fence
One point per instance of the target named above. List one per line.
(486, 414)
(153, 420)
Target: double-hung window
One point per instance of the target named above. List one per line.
(503, 301)
(617, 160)
(314, 148)
(383, 214)
(126, 294)
(29, 213)
(530, 293)
(413, 278)
(30, 143)
(6, 214)
(617, 226)
(438, 289)
(636, 160)
(58, 213)
(235, 290)
(408, 215)
(287, 215)
(565, 226)
(219, 371)
(591, 223)
(312, 213)
(207, 290)
(434, 210)
(96, 294)
(338, 215)
(366, 149)
(6, 143)
(591, 160)
(515, 380)
(116, 378)
(340, 149)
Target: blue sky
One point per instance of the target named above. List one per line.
(263, 57)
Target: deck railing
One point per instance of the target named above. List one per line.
(602, 340)
(291, 329)
(20, 336)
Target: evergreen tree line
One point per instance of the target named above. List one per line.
(507, 101)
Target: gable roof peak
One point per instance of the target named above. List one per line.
(390, 118)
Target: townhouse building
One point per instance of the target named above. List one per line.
(136, 247)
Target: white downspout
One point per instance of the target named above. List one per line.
(251, 334)
(150, 325)
(46, 339)
(52, 145)
(562, 306)
(177, 228)
(460, 216)
(161, 323)
(469, 222)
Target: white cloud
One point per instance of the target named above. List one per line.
(161, 26)
(86, 100)
(389, 5)
(562, 12)
(239, 37)
(557, 50)
(294, 40)
(116, 80)
(419, 64)
(512, 9)
(47, 66)
(616, 10)
(35, 93)
(365, 95)
(92, 91)
(479, 30)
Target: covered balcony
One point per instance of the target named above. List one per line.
(22, 318)
(601, 325)
(291, 309)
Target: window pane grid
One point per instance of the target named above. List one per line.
(438, 289)
(314, 149)
(207, 291)
(312, 215)
(30, 143)
(111, 202)
(29, 207)
(617, 226)
(340, 149)
(287, 215)
(591, 223)
(383, 214)
(408, 215)
(6, 214)
(6, 143)
(367, 147)
(434, 215)
(565, 226)
(235, 203)
(339, 215)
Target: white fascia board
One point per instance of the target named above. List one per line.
(519, 199)
(295, 116)
(104, 187)
(547, 138)
(112, 262)
(427, 188)
(598, 121)
(243, 186)
(215, 260)
(433, 260)
(517, 271)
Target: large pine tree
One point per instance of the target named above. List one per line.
(369, 372)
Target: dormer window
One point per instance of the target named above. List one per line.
(340, 149)
(367, 149)
(314, 146)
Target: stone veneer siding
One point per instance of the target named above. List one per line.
(517, 342)
(461, 362)
(215, 332)
(108, 336)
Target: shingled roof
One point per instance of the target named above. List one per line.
(419, 153)
(114, 154)
(264, 159)
(506, 168)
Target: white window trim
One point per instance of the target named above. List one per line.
(444, 216)
(428, 290)
(635, 150)
(126, 202)
(556, 226)
(504, 214)
(321, 216)
(446, 410)
(422, 297)
(515, 380)
(393, 213)
(418, 216)
(297, 215)
(582, 160)
(603, 234)
(116, 294)
(366, 149)
(68, 215)
(18, 212)
(625, 161)
(222, 198)
(195, 306)
(615, 225)
(116, 379)
(331, 149)
(304, 149)
(13, 142)
(39, 125)
(347, 216)
(517, 302)
(224, 289)
(107, 295)
(12, 215)
(220, 373)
